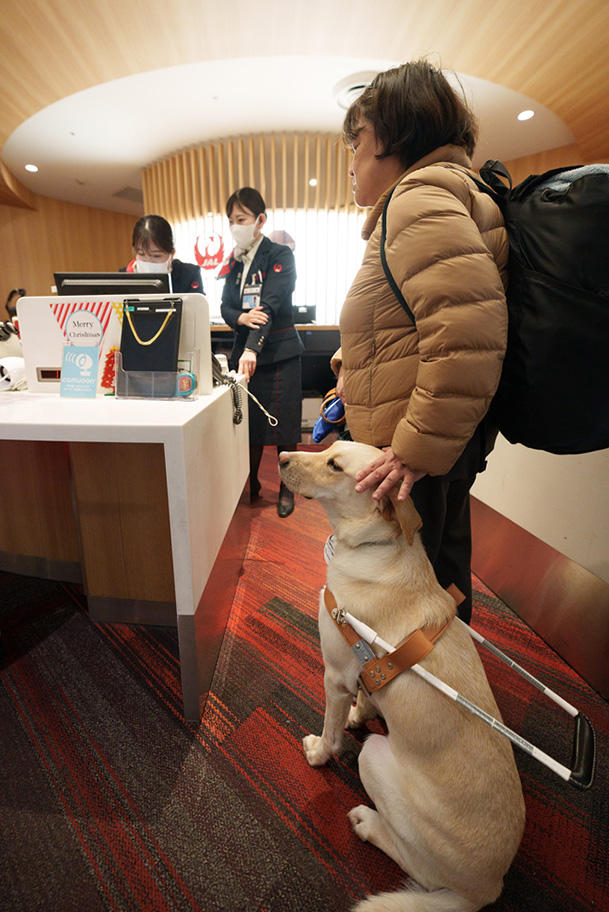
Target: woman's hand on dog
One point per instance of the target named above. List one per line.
(387, 472)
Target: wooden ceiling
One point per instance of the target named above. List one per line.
(552, 50)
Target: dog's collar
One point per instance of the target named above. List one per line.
(376, 672)
(330, 545)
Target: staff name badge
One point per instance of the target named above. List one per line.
(251, 296)
(80, 363)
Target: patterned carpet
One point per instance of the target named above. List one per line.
(111, 801)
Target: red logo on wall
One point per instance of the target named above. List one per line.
(214, 252)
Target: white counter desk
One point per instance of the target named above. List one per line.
(136, 499)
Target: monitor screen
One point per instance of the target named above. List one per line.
(87, 283)
(304, 314)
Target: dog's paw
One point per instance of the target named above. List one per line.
(314, 752)
(356, 717)
(361, 711)
(362, 819)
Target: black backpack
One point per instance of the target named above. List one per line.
(554, 389)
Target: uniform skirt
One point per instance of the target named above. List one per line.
(279, 388)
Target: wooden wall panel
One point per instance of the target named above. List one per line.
(56, 236)
(280, 165)
(126, 508)
(37, 510)
(520, 168)
(12, 191)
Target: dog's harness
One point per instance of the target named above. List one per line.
(377, 672)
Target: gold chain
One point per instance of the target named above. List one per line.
(157, 334)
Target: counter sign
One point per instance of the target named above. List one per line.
(83, 328)
(80, 363)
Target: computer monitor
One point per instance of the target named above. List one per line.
(304, 313)
(88, 283)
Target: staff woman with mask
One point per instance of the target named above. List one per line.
(257, 305)
(154, 252)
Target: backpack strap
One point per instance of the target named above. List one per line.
(392, 282)
(495, 174)
(491, 185)
(492, 172)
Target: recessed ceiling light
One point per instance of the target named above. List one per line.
(526, 115)
(313, 182)
(32, 168)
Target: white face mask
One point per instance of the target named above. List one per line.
(144, 266)
(243, 235)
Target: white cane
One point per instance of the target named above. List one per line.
(584, 747)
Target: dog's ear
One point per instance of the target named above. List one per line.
(405, 512)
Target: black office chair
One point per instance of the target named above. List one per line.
(11, 309)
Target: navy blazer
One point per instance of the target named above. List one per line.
(278, 339)
(186, 277)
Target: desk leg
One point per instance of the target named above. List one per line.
(200, 635)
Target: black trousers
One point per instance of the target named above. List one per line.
(443, 504)
(278, 386)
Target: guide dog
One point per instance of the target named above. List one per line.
(448, 801)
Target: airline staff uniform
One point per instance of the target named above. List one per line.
(267, 277)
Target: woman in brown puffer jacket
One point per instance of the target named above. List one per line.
(421, 392)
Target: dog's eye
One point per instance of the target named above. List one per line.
(334, 465)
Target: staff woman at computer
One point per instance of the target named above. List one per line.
(257, 305)
(154, 251)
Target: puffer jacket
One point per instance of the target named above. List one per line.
(425, 390)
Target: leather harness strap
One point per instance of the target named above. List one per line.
(455, 593)
(380, 671)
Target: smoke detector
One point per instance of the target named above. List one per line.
(351, 87)
(131, 194)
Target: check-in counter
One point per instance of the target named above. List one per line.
(135, 499)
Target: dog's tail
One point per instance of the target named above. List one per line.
(416, 899)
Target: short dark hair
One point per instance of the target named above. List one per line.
(246, 198)
(413, 110)
(153, 229)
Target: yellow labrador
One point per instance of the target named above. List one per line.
(448, 799)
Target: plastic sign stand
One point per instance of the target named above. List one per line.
(80, 362)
